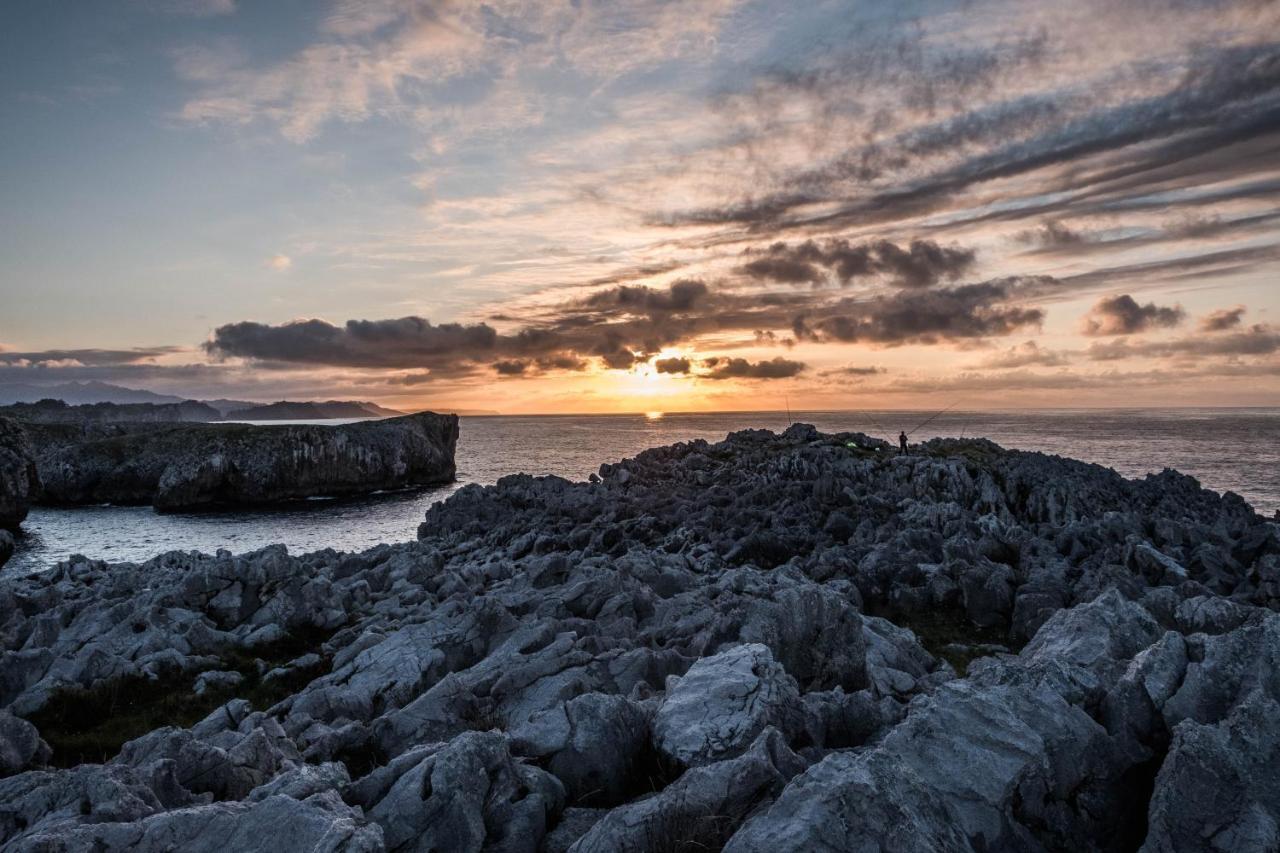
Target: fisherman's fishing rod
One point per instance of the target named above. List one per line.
(933, 418)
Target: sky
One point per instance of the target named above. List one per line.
(543, 206)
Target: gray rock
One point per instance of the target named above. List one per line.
(590, 743)
(217, 680)
(19, 479)
(1218, 789)
(321, 823)
(719, 707)
(546, 642)
(20, 745)
(703, 807)
(466, 796)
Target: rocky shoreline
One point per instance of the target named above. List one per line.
(772, 643)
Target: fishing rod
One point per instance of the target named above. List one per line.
(879, 427)
(933, 418)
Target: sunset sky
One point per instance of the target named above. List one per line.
(626, 206)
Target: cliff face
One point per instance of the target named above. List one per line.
(773, 643)
(178, 467)
(19, 483)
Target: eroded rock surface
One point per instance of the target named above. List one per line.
(772, 643)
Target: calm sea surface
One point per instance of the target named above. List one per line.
(1236, 449)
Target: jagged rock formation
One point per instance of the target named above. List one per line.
(781, 643)
(179, 467)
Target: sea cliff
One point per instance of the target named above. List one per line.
(773, 643)
(196, 466)
(19, 482)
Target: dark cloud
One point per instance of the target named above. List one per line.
(681, 295)
(400, 343)
(923, 317)
(853, 371)
(1122, 315)
(739, 368)
(673, 365)
(923, 263)
(510, 368)
(1223, 319)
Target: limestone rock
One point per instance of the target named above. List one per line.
(722, 703)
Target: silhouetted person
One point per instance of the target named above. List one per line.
(902, 444)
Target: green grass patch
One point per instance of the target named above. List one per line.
(951, 636)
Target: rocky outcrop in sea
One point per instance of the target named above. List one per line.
(772, 643)
(196, 466)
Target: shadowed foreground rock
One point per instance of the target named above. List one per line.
(190, 466)
(774, 643)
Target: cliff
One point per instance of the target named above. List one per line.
(182, 467)
(19, 482)
(772, 643)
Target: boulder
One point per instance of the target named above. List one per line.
(722, 703)
(467, 795)
(703, 807)
(20, 745)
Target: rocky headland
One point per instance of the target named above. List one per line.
(196, 466)
(773, 643)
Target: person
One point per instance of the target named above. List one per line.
(902, 443)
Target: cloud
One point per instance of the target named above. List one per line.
(971, 311)
(1122, 315)
(681, 295)
(1052, 234)
(1258, 340)
(923, 263)
(1026, 354)
(739, 368)
(279, 262)
(672, 365)
(853, 371)
(1222, 319)
(86, 357)
(510, 368)
(401, 343)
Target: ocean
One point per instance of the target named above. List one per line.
(1226, 449)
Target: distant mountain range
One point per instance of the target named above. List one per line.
(80, 393)
(291, 411)
(90, 393)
